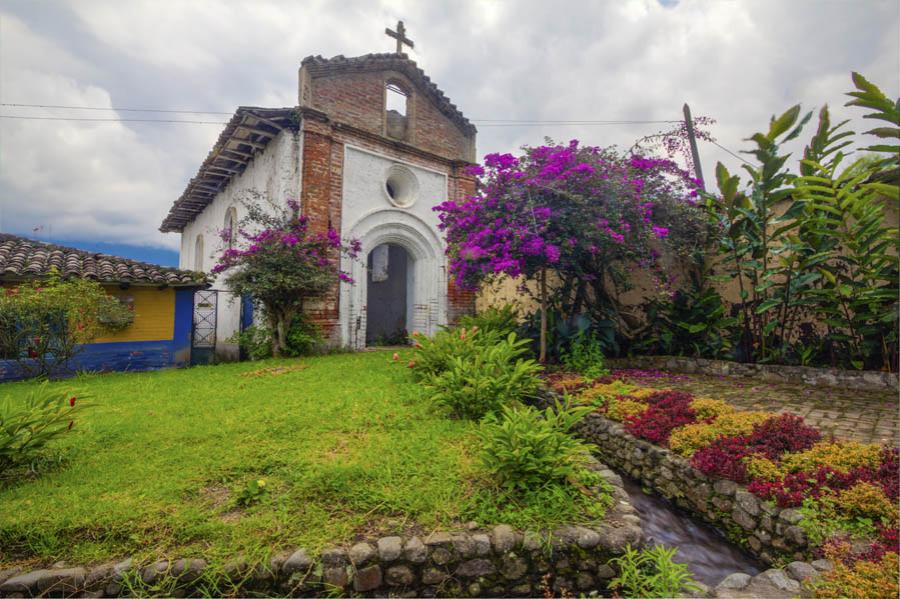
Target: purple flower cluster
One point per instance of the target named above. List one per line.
(564, 207)
(292, 235)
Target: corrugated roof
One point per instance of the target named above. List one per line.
(22, 259)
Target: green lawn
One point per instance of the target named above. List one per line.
(346, 446)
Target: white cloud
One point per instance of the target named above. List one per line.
(738, 61)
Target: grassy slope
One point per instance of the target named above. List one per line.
(154, 466)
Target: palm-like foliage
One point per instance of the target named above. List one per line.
(829, 257)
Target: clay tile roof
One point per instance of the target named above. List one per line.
(22, 258)
(319, 66)
(245, 135)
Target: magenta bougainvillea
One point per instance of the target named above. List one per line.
(573, 209)
(280, 262)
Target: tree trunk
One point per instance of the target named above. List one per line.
(278, 335)
(543, 351)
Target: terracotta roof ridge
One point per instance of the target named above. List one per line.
(24, 257)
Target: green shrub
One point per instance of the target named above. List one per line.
(255, 342)
(303, 338)
(503, 320)
(525, 449)
(585, 356)
(485, 378)
(652, 573)
(27, 426)
(251, 493)
(46, 322)
(544, 508)
(435, 355)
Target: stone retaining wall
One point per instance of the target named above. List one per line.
(478, 562)
(832, 377)
(770, 533)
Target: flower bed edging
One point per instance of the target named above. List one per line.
(817, 377)
(771, 534)
(498, 562)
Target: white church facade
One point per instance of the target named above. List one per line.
(371, 148)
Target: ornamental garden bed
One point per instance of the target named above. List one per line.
(769, 481)
(182, 472)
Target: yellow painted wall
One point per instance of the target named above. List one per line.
(154, 315)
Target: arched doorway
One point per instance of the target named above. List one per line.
(426, 286)
(387, 295)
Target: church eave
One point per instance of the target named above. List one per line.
(246, 134)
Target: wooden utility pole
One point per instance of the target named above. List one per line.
(692, 138)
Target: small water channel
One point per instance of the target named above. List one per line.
(706, 552)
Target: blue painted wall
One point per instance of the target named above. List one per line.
(131, 355)
(184, 327)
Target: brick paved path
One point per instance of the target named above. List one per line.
(867, 416)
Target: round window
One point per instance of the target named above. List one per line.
(401, 186)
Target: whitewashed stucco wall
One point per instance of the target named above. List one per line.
(369, 215)
(275, 174)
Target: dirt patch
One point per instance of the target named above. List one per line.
(274, 371)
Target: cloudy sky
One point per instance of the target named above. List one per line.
(92, 183)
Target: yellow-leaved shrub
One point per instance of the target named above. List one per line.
(604, 391)
(763, 468)
(686, 440)
(862, 580)
(843, 456)
(621, 408)
(866, 499)
(706, 407)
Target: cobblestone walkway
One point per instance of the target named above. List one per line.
(866, 416)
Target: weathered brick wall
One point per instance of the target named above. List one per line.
(320, 200)
(347, 107)
(358, 99)
(459, 301)
(321, 197)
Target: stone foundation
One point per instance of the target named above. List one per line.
(817, 377)
(499, 561)
(770, 533)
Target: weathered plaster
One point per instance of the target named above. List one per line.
(370, 216)
(275, 174)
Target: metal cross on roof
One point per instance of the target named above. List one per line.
(400, 36)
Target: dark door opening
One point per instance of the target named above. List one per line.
(386, 288)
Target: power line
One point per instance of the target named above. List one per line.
(63, 118)
(570, 121)
(130, 120)
(112, 109)
(729, 151)
(561, 123)
(487, 122)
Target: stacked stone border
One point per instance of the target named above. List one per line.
(499, 561)
(831, 377)
(771, 534)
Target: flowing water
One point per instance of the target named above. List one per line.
(706, 552)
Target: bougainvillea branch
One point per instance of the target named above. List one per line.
(583, 213)
(281, 263)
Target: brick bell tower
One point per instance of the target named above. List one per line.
(380, 146)
(372, 146)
